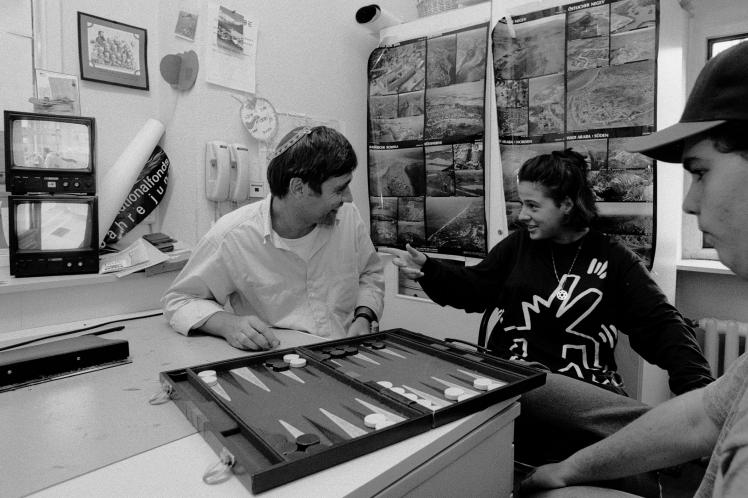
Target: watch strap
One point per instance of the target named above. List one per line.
(363, 311)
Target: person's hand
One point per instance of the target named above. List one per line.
(409, 261)
(549, 476)
(243, 332)
(360, 326)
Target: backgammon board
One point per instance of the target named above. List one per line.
(285, 414)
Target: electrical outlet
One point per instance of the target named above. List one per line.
(257, 190)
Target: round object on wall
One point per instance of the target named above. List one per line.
(259, 118)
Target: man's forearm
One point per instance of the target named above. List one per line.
(676, 431)
(218, 324)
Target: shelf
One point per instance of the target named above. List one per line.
(10, 284)
(703, 266)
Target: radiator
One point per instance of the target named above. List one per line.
(723, 342)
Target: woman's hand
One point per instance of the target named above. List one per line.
(409, 261)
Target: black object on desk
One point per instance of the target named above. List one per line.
(29, 364)
(157, 238)
(251, 410)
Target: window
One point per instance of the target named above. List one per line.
(717, 45)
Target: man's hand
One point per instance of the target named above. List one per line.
(360, 326)
(242, 332)
(549, 476)
(251, 333)
(410, 261)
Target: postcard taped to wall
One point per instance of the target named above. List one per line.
(426, 132)
(583, 76)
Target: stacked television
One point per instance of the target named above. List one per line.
(50, 174)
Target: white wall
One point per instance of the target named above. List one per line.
(16, 52)
(16, 48)
(311, 59)
(653, 387)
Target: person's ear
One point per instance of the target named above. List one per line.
(296, 187)
(566, 206)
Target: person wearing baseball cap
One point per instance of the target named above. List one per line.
(711, 141)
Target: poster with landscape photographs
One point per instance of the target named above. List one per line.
(582, 76)
(425, 144)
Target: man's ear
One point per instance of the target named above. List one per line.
(296, 186)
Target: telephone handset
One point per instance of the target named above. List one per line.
(240, 166)
(217, 171)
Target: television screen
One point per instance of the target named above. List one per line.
(53, 226)
(50, 145)
(53, 235)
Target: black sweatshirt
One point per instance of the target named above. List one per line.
(609, 291)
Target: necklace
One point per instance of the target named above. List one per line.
(561, 293)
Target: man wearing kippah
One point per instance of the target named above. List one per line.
(711, 141)
(300, 259)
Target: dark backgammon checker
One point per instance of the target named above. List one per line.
(286, 414)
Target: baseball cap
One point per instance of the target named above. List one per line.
(720, 94)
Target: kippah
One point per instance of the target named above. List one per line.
(292, 140)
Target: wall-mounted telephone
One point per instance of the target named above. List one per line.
(257, 180)
(217, 171)
(240, 172)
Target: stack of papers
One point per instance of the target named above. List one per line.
(137, 256)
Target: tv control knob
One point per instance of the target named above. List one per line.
(66, 184)
(80, 263)
(76, 184)
(69, 264)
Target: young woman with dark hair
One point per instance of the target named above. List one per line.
(564, 293)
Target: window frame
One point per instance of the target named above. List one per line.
(712, 41)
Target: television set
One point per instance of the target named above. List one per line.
(53, 235)
(49, 153)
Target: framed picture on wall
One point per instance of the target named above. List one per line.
(112, 52)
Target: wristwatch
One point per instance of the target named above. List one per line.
(366, 313)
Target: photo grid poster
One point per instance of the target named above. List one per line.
(425, 143)
(583, 76)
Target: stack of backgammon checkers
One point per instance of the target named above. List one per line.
(482, 383)
(377, 421)
(209, 377)
(454, 393)
(338, 352)
(277, 365)
(408, 395)
(373, 344)
(294, 360)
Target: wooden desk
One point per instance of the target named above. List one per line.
(96, 434)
